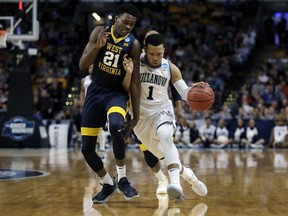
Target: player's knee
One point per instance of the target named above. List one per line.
(115, 128)
(88, 144)
(165, 132)
(150, 159)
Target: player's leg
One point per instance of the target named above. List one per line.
(164, 132)
(116, 110)
(154, 164)
(165, 135)
(90, 127)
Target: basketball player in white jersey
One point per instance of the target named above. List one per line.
(156, 125)
(85, 82)
(152, 161)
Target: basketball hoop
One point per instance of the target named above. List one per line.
(3, 38)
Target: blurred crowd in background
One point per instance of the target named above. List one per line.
(210, 42)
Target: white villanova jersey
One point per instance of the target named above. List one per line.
(87, 81)
(154, 87)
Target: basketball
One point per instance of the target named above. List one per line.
(200, 97)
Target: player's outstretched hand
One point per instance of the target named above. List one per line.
(129, 127)
(102, 37)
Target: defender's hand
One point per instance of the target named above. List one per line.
(128, 64)
(129, 127)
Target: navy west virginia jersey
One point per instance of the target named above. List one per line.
(105, 94)
(108, 70)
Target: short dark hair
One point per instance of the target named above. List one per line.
(126, 8)
(154, 40)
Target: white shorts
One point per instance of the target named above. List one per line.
(146, 129)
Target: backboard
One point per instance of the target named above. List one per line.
(19, 18)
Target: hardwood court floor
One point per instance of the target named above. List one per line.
(246, 182)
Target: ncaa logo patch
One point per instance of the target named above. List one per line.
(18, 128)
(127, 39)
(164, 66)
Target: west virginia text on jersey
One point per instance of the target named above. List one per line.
(108, 70)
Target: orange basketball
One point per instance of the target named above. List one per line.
(200, 97)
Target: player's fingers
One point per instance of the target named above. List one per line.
(127, 134)
(105, 29)
(106, 34)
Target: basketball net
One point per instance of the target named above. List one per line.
(3, 38)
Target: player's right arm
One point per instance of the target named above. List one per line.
(96, 41)
(135, 87)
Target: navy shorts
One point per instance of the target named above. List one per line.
(100, 102)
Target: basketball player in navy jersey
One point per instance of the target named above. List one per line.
(85, 82)
(106, 97)
(156, 125)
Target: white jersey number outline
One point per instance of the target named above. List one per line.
(111, 57)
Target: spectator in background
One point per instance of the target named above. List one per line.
(207, 132)
(242, 114)
(224, 113)
(45, 105)
(195, 139)
(239, 133)
(221, 137)
(269, 95)
(279, 133)
(182, 133)
(252, 138)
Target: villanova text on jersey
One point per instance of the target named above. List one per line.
(153, 78)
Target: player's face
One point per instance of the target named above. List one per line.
(124, 24)
(154, 55)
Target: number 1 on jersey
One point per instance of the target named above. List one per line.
(150, 93)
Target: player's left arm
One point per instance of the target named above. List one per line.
(135, 88)
(178, 81)
(179, 111)
(128, 65)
